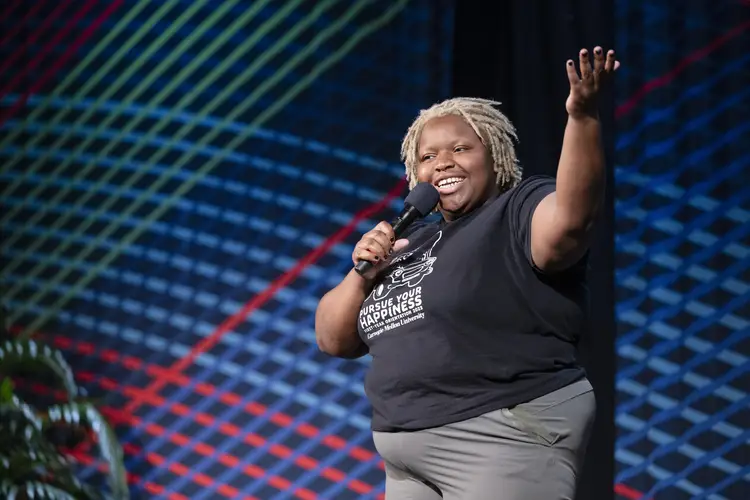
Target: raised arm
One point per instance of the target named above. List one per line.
(562, 223)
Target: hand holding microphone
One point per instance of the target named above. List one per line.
(372, 251)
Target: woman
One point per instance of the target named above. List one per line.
(472, 321)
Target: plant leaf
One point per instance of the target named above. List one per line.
(75, 487)
(6, 390)
(25, 452)
(109, 446)
(33, 490)
(19, 423)
(15, 354)
(48, 467)
(22, 464)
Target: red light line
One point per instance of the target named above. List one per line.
(230, 323)
(257, 301)
(628, 492)
(206, 450)
(115, 417)
(172, 374)
(44, 28)
(18, 25)
(226, 429)
(32, 38)
(8, 8)
(118, 417)
(58, 64)
(205, 389)
(153, 488)
(628, 105)
(670, 75)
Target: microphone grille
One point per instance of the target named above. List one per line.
(424, 197)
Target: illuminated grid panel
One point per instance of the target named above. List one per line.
(189, 155)
(683, 250)
(150, 300)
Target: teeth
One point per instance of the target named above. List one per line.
(450, 181)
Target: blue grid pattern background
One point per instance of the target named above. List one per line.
(683, 250)
(165, 174)
(128, 295)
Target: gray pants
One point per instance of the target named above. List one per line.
(531, 451)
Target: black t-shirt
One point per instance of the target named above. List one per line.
(461, 323)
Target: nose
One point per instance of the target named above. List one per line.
(444, 162)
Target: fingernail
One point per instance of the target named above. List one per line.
(570, 63)
(598, 51)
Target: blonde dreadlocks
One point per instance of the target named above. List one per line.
(494, 129)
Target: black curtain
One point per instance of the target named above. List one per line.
(515, 51)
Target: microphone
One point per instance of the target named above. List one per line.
(418, 203)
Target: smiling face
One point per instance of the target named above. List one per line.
(454, 160)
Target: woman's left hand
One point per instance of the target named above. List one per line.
(584, 89)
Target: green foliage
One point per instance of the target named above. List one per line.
(32, 465)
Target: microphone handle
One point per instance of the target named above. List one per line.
(409, 215)
(363, 266)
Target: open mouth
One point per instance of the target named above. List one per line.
(449, 185)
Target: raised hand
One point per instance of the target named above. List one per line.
(584, 88)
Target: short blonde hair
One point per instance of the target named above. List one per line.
(494, 129)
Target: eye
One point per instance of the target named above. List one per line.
(458, 149)
(428, 156)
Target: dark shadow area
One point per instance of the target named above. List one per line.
(515, 52)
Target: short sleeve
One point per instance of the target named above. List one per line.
(524, 199)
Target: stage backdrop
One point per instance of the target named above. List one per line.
(680, 223)
(683, 250)
(182, 180)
